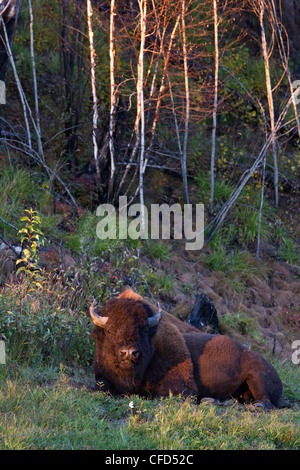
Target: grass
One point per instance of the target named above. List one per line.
(45, 323)
(50, 408)
(156, 249)
(161, 282)
(22, 189)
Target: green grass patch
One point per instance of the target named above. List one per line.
(22, 189)
(56, 409)
(156, 249)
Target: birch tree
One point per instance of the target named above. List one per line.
(37, 113)
(112, 114)
(93, 84)
(214, 129)
(261, 205)
(140, 106)
(269, 95)
(187, 104)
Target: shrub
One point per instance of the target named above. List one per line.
(42, 326)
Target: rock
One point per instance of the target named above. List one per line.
(7, 264)
(209, 401)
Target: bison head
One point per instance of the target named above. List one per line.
(124, 333)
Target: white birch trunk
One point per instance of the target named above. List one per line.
(187, 106)
(214, 129)
(175, 119)
(93, 83)
(37, 113)
(261, 205)
(112, 114)
(269, 96)
(140, 105)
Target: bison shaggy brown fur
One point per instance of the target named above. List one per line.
(162, 355)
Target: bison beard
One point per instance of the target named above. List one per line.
(140, 350)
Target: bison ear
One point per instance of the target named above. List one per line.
(98, 320)
(130, 294)
(96, 333)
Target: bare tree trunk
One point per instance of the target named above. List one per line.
(112, 114)
(269, 96)
(140, 106)
(187, 105)
(261, 205)
(175, 118)
(93, 84)
(214, 129)
(132, 156)
(37, 113)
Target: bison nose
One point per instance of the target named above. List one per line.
(129, 354)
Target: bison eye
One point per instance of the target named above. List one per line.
(145, 329)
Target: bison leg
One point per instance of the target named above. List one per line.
(262, 379)
(258, 390)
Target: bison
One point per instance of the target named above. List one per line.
(143, 350)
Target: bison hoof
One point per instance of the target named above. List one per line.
(258, 406)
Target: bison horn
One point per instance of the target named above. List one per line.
(97, 319)
(154, 321)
